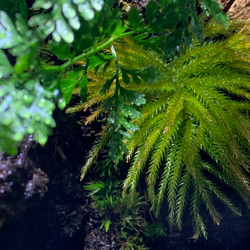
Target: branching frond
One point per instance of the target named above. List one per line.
(195, 124)
(95, 151)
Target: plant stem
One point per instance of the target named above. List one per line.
(87, 54)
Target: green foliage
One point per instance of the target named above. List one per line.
(125, 211)
(155, 230)
(63, 40)
(183, 123)
(63, 17)
(26, 106)
(194, 128)
(172, 25)
(12, 7)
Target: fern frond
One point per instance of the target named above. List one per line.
(161, 148)
(95, 151)
(198, 107)
(198, 224)
(206, 197)
(182, 195)
(144, 132)
(222, 197)
(140, 160)
(164, 180)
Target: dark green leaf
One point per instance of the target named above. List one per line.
(68, 84)
(150, 75)
(21, 25)
(13, 7)
(106, 65)
(107, 85)
(151, 11)
(135, 77)
(216, 11)
(83, 88)
(61, 50)
(135, 18)
(95, 61)
(120, 28)
(125, 77)
(5, 66)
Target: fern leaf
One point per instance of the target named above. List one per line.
(199, 106)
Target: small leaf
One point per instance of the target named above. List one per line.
(5, 66)
(151, 11)
(61, 103)
(150, 75)
(125, 77)
(135, 18)
(61, 50)
(22, 63)
(107, 225)
(64, 31)
(95, 61)
(120, 28)
(107, 85)
(75, 23)
(67, 85)
(97, 4)
(106, 65)
(83, 88)
(21, 25)
(68, 10)
(135, 78)
(8, 34)
(216, 11)
(86, 11)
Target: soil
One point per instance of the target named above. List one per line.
(43, 205)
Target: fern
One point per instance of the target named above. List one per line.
(198, 106)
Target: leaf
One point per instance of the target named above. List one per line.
(64, 31)
(68, 84)
(115, 148)
(13, 7)
(96, 61)
(23, 62)
(151, 12)
(150, 74)
(61, 50)
(8, 34)
(216, 11)
(5, 66)
(21, 25)
(129, 111)
(135, 77)
(86, 11)
(135, 18)
(61, 17)
(107, 225)
(83, 88)
(107, 85)
(125, 77)
(25, 110)
(120, 28)
(196, 27)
